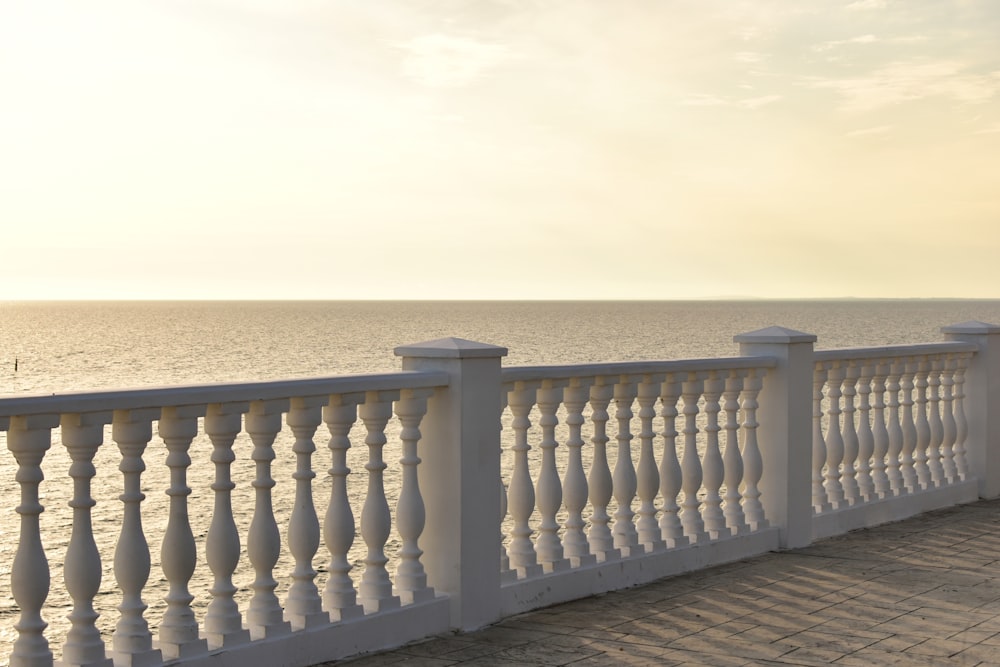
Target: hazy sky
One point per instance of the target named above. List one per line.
(301, 149)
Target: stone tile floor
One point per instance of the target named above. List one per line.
(925, 591)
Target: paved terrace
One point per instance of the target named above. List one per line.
(925, 591)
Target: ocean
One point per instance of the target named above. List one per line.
(59, 347)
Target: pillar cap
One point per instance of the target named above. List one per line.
(971, 327)
(774, 335)
(451, 348)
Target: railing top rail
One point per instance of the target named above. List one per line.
(894, 351)
(181, 395)
(634, 369)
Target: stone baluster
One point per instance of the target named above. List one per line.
(132, 641)
(906, 459)
(179, 630)
(880, 435)
(411, 579)
(339, 596)
(733, 509)
(753, 464)
(894, 463)
(920, 457)
(82, 434)
(223, 622)
(521, 492)
(820, 501)
(961, 423)
(849, 436)
(866, 439)
(691, 470)
(625, 534)
(376, 521)
(265, 617)
(506, 573)
(303, 604)
(599, 480)
(936, 425)
(575, 490)
(28, 438)
(671, 476)
(834, 437)
(714, 473)
(548, 488)
(949, 429)
(647, 476)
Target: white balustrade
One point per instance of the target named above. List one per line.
(920, 454)
(376, 521)
(849, 437)
(600, 480)
(736, 520)
(411, 580)
(865, 436)
(521, 491)
(691, 468)
(179, 634)
(339, 596)
(834, 437)
(894, 461)
(265, 617)
(671, 476)
(223, 622)
(82, 434)
(713, 471)
(647, 476)
(949, 428)
(753, 464)
(548, 490)
(880, 434)
(820, 501)
(575, 488)
(132, 640)
(937, 476)
(907, 460)
(624, 479)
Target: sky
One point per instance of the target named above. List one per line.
(499, 149)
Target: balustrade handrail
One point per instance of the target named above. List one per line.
(180, 395)
(894, 351)
(633, 368)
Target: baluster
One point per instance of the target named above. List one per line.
(132, 641)
(670, 468)
(548, 489)
(647, 477)
(866, 439)
(895, 453)
(178, 557)
(626, 536)
(506, 573)
(339, 596)
(923, 427)
(376, 522)
(599, 481)
(909, 430)
(819, 500)
(834, 439)
(694, 528)
(223, 623)
(28, 438)
(935, 423)
(949, 428)
(753, 465)
(715, 520)
(575, 488)
(735, 519)
(961, 424)
(82, 434)
(265, 615)
(521, 493)
(880, 435)
(411, 579)
(303, 605)
(849, 436)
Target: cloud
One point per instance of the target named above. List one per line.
(446, 61)
(992, 129)
(862, 39)
(758, 102)
(867, 5)
(907, 81)
(700, 100)
(869, 131)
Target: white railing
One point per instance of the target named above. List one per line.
(599, 476)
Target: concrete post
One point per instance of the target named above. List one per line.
(982, 402)
(460, 476)
(785, 431)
